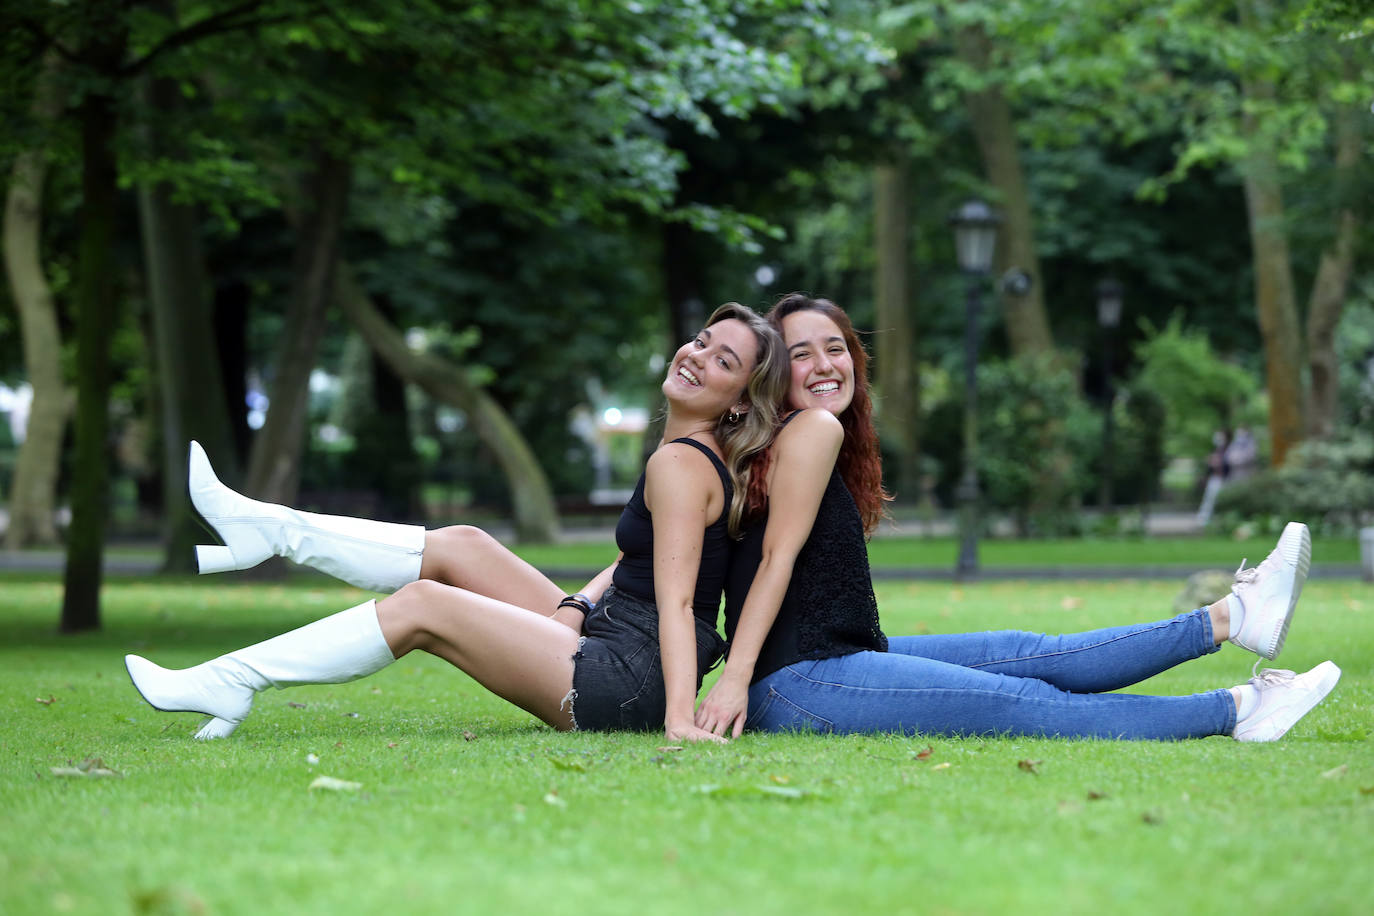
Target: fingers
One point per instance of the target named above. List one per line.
(739, 725)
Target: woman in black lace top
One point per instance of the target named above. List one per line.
(807, 652)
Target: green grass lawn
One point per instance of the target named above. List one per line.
(469, 805)
(897, 551)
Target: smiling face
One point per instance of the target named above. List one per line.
(822, 366)
(709, 373)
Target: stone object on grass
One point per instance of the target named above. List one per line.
(1203, 588)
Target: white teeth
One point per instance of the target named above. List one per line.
(825, 387)
(687, 375)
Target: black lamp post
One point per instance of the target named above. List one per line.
(1109, 293)
(975, 238)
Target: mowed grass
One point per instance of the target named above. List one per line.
(469, 805)
(897, 551)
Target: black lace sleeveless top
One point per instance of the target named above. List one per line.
(634, 535)
(829, 608)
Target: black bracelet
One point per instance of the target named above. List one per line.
(578, 601)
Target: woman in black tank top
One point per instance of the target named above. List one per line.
(629, 652)
(807, 651)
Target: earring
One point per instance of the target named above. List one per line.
(733, 416)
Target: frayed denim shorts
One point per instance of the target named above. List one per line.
(617, 673)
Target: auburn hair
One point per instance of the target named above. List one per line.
(860, 461)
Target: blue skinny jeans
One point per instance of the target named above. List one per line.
(1002, 683)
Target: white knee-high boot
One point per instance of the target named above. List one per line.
(377, 556)
(342, 647)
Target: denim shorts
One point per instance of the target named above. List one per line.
(617, 674)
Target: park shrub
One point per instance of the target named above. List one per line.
(1036, 437)
(1201, 392)
(1329, 484)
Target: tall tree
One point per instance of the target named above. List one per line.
(1028, 327)
(274, 468)
(34, 488)
(1332, 283)
(190, 383)
(893, 319)
(536, 517)
(103, 41)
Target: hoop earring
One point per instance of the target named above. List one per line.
(733, 416)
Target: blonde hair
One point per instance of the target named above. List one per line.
(751, 432)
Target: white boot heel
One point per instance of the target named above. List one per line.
(211, 558)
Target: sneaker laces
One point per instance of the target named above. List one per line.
(1270, 677)
(1246, 576)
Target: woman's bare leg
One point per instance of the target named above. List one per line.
(522, 657)
(471, 559)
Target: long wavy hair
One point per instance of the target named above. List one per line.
(860, 461)
(747, 435)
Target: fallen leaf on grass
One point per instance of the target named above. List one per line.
(925, 754)
(1071, 603)
(786, 792)
(1149, 817)
(334, 785)
(781, 779)
(90, 768)
(352, 715)
(1336, 772)
(294, 705)
(1367, 790)
(48, 702)
(670, 748)
(565, 763)
(1030, 766)
(469, 736)
(942, 766)
(551, 798)
(1094, 795)
(312, 759)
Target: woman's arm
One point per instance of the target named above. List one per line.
(592, 591)
(600, 582)
(803, 458)
(678, 487)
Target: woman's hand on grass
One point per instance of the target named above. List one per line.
(726, 706)
(686, 731)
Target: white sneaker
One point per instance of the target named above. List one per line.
(1284, 698)
(1270, 592)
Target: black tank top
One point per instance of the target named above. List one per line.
(829, 608)
(634, 535)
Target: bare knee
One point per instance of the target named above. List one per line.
(406, 617)
(449, 549)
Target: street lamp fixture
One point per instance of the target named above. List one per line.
(1109, 300)
(975, 236)
(975, 240)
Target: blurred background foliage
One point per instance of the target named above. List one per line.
(429, 258)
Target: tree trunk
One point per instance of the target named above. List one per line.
(896, 375)
(96, 303)
(191, 391)
(1275, 299)
(687, 311)
(230, 323)
(33, 494)
(536, 518)
(1332, 283)
(274, 467)
(1028, 328)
